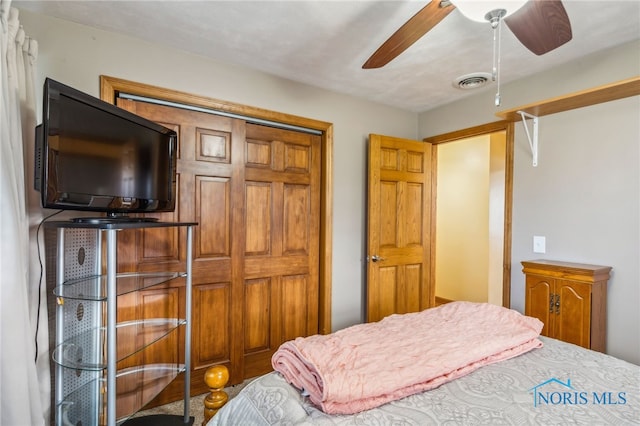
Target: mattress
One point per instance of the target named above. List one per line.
(559, 383)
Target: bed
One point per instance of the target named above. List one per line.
(551, 382)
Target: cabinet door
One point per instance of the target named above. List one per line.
(538, 301)
(573, 322)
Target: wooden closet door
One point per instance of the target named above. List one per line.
(281, 253)
(210, 191)
(255, 193)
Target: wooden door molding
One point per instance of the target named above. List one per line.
(497, 126)
(111, 86)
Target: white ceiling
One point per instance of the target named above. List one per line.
(324, 43)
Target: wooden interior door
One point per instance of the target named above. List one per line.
(398, 227)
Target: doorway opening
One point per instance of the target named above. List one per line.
(471, 226)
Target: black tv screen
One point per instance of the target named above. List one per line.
(91, 155)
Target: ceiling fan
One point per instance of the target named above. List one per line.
(540, 25)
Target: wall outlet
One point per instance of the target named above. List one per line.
(539, 244)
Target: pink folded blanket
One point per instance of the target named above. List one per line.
(367, 365)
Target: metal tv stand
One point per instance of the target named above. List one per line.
(89, 387)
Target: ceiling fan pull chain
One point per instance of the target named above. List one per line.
(497, 68)
(495, 19)
(494, 64)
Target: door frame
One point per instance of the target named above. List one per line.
(484, 129)
(111, 86)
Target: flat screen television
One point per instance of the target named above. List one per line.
(93, 156)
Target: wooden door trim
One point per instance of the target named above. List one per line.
(496, 126)
(111, 86)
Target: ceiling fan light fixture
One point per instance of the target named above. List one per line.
(480, 10)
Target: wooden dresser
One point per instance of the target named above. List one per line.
(570, 299)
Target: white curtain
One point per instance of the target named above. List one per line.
(24, 375)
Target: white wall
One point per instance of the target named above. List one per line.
(76, 55)
(584, 196)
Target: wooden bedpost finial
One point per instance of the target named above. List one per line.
(216, 379)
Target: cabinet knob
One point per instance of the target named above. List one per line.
(554, 301)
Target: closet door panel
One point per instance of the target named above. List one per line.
(213, 205)
(257, 318)
(156, 303)
(210, 178)
(258, 218)
(211, 327)
(281, 246)
(296, 219)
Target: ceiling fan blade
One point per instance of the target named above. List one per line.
(541, 25)
(427, 18)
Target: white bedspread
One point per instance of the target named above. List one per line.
(557, 384)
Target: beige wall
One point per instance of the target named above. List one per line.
(462, 220)
(76, 55)
(584, 196)
(470, 219)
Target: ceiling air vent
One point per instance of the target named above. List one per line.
(472, 81)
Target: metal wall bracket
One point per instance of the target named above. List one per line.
(533, 141)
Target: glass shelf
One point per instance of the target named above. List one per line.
(87, 350)
(135, 387)
(95, 287)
